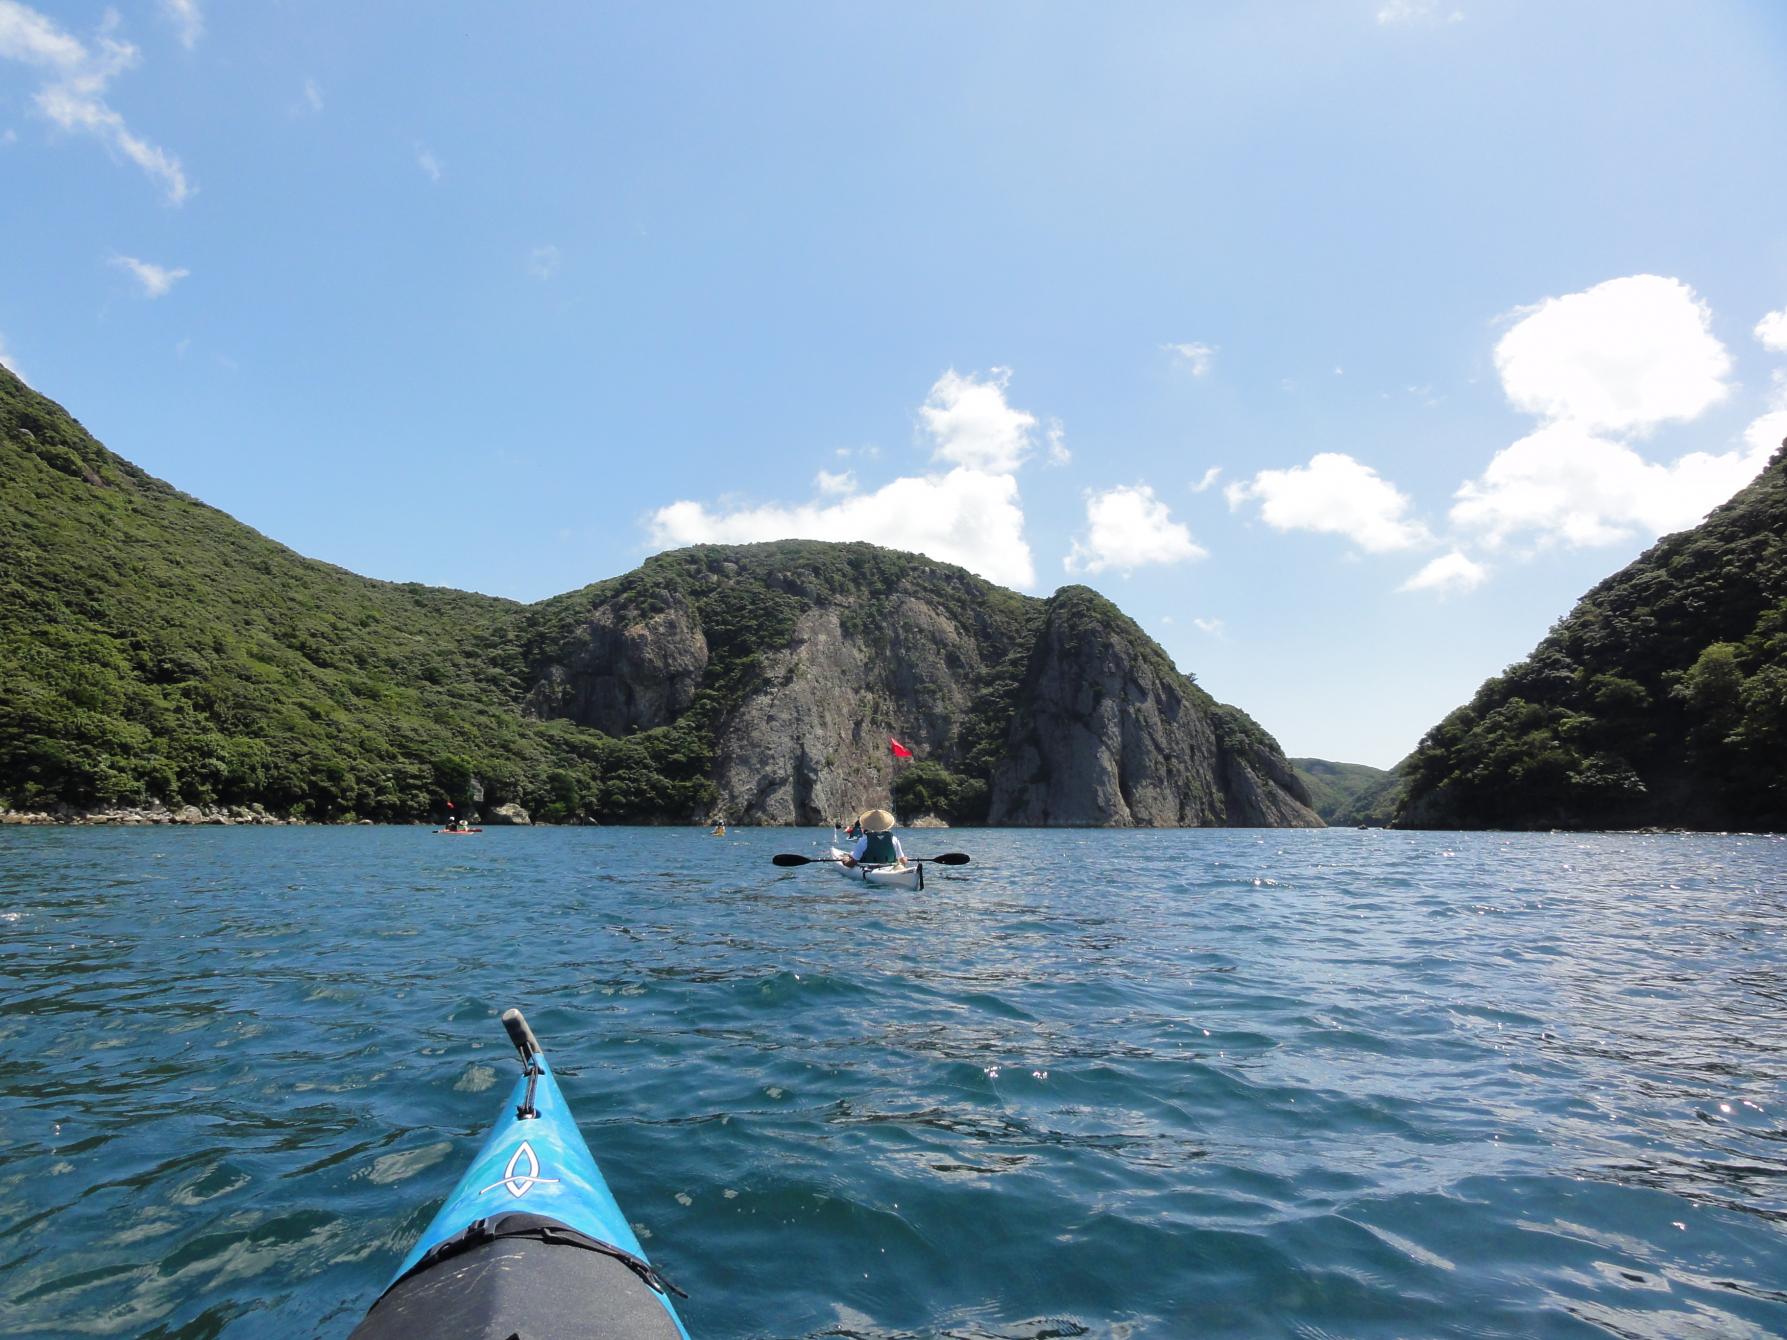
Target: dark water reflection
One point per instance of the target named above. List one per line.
(1109, 1084)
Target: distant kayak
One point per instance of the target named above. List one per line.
(909, 876)
(531, 1242)
(459, 832)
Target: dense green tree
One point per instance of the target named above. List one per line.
(1660, 699)
(924, 787)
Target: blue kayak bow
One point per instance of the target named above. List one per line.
(531, 1241)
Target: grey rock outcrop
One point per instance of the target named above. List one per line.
(1061, 712)
(811, 745)
(1108, 734)
(625, 677)
(798, 750)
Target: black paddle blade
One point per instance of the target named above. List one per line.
(948, 858)
(789, 858)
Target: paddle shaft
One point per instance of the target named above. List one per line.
(947, 858)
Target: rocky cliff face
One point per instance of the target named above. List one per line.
(801, 659)
(623, 679)
(799, 748)
(1108, 734)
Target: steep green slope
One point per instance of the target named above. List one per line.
(1334, 788)
(154, 648)
(1661, 699)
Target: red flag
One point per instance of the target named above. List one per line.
(899, 750)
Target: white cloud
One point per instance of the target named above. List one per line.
(1567, 483)
(1196, 357)
(28, 36)
(1448, 574)
(1126, 528)
(75, 81)
(186, 18)
(429, 164)
(969, 514)
(1214, 627)
(1772, 331)
(970, 423)
(313, 96)
(1627, 354)
(966, 516)
(1336, 495)
(1211, 475)
(1057, 439)
(7, 363)
(542, 262)
(1394, 12)
(1766, 435)
(156, 280)
(1600, 367)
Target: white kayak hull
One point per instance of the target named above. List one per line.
(910, 876)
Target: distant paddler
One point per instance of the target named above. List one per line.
(877, 845)
(719, 828)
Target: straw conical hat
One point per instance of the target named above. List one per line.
(875, 821)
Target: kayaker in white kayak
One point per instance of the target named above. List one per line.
(877, 845)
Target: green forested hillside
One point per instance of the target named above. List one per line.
(155, 649)
(1334, 787)
(1373, 806)
(1661, 699)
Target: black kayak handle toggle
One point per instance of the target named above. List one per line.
(527, 1046)
(521, 1035)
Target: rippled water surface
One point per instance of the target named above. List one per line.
(1187, 1084)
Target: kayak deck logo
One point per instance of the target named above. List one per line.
(520, 1184)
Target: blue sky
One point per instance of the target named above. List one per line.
(1344, 345)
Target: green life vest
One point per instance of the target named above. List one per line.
(878, 849)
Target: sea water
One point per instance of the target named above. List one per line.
(1215, 1083)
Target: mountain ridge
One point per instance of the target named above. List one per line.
(161, 652)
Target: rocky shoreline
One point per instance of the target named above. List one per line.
(148, 814)
(140, 816)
